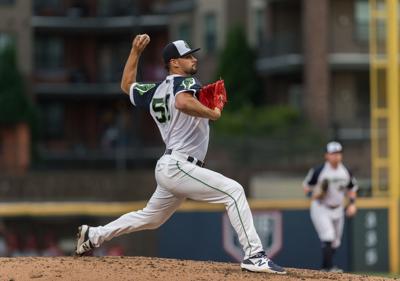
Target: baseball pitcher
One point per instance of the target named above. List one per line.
(176, 107)
(328, 185)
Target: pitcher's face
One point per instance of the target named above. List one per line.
(186, 65)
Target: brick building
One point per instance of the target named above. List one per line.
(80, 51)
(313, 56)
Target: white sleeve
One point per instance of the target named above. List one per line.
(308, 178)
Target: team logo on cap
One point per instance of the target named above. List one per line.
(186, 44)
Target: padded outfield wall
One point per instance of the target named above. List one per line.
(202, 231)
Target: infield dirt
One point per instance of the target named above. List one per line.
(144, 268)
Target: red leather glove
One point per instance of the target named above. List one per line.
(213, 95)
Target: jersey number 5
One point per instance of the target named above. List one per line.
(160, 107)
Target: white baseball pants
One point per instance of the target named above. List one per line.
(179, 179)
(328, 222)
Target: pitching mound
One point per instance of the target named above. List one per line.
(141, 268)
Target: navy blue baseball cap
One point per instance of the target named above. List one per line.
(177, 49)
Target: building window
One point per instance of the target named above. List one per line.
(111, 59)
(257, 22)
(49, 53)
(7, 2)
(362, 17)
(53, 123)
(1, 146)
(108, 8)
(47, 7)
(259, 26)
(210, 34)
(6, 40)
(184, 32)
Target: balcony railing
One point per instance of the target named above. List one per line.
(99, 23)
(120, 158)
(76, 82)
(282, 44)
(84, 8)
(284, 53)
(102, 89)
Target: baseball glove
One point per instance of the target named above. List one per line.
(324, 189)
(213, 95)
(325, 186)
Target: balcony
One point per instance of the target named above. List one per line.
(280, 54)
(98, 24)
(90, 8)
(281, 44)
(284, 54)
(349, 61)
(119, 158)
(104, 82)
(79, 89)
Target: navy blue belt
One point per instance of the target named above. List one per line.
(333, 206)
(190, 159)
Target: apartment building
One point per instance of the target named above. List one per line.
(205, 24)
(311, 54)
(80, 48)
(314, 55)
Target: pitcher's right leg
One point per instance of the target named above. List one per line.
(160, 207)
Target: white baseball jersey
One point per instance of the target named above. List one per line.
(327, 214)
(180, 132)
(340, 181)
(177, 176)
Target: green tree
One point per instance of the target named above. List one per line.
(15, 106)
(237, 67)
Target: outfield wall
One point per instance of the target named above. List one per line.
(202, 231)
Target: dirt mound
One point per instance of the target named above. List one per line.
(143, 268)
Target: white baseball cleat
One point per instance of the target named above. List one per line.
(261, 263)
(83, 244)
(336, 269)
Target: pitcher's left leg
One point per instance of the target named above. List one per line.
(205, 185)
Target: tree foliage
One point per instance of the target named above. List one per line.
(245, 114)
(15, 106)
(237, 67)
(262, 121)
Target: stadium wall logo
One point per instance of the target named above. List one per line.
(269, 228)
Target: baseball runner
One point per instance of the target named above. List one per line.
(328, 185)
(183, 124)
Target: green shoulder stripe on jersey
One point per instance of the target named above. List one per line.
(187, 83)
(144, 88)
